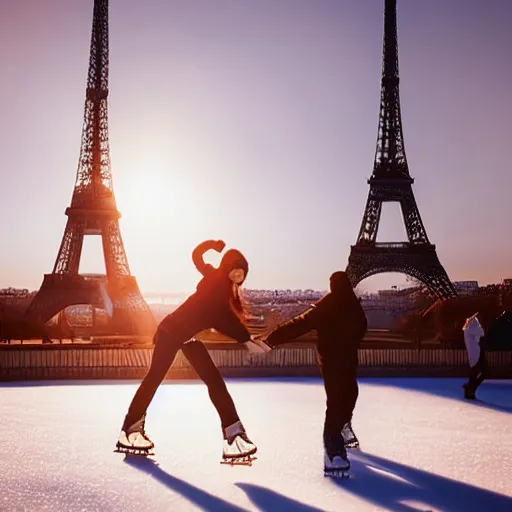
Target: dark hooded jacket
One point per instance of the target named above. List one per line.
(339, 320)
(210, 306)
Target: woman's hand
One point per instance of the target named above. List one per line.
(219, 245)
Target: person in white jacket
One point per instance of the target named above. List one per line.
(474, 340)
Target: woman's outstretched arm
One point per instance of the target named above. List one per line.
(198, 252)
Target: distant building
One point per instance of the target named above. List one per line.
(466, 287)
(14, 292)
(384, 293)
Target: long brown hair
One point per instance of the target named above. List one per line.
(238, 304)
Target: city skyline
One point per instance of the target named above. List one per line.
(229, 140)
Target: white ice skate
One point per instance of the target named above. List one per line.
(349, 436)
(133, 440)
(238, 448)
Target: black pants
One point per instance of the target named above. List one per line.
(478, 373)
(342, 390)
(166, 348)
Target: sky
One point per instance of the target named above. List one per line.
(255, 122)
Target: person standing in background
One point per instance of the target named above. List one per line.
(474, 338)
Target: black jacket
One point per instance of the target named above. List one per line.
(339, 320)
(208, 307)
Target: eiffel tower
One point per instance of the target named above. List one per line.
(391, 181)
(93, 211)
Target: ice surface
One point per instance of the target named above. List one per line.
(424, 448)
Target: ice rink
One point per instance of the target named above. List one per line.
(423, 448)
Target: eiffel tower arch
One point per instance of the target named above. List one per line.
(93, 211)
(391, 181)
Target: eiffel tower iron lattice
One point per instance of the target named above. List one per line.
(93, 211)
(391, 181)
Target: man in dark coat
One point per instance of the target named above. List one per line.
(340, 322)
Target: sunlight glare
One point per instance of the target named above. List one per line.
(157, 198)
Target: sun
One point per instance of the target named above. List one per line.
(154, 197)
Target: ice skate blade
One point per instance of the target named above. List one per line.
(337, 473)
(134, 451)
(353, 447)
(238, 461)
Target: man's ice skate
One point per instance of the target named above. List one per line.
(133, 440)
(336, 463)
(238, 448)
(469, 394)
(349, 436)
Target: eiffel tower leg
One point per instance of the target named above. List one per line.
(131, 312)
(437, 280)
(371, 218)
(116, 261)
(68, 257)
(414, 227)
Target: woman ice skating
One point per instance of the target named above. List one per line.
(215, 304)
(341, 324)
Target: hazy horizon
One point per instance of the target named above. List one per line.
(256, 122)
